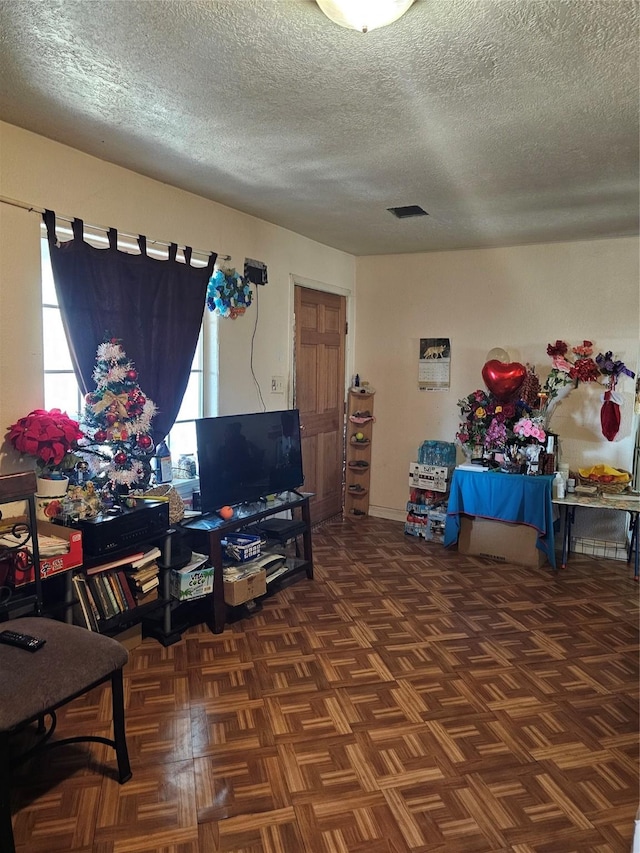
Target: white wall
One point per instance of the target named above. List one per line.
(46, 174)
(520, 299)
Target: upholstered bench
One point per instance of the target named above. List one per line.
(33, 684)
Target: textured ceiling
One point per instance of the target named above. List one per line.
(509, 121)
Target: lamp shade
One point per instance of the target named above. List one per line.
(364, 15)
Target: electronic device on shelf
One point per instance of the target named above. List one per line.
(282, 529)
(126, 527)
(243, 458)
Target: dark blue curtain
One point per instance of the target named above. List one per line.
(154, 307)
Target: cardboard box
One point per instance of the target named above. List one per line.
(500, 541)
(68, 559)
(432, 477)
(131, 637)
(435, 527)
(245, 587)
(431, 502)
(49, 566)
(429, 526)
(193, 581)
(60, 563)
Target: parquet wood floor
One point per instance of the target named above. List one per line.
(407, 700)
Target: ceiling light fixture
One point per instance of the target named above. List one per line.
(364, 15)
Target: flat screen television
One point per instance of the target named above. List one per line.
(243, 458)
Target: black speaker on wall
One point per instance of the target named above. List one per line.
(255, 271)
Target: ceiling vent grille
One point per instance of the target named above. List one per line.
(407, 211)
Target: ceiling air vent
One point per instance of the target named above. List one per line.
(407, 211)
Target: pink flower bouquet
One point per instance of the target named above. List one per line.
(528, 430)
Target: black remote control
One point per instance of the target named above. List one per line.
(22, 641)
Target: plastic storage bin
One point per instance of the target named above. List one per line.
(242, 546)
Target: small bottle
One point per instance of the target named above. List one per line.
(162, 465)
(356, 381)
(558, 486)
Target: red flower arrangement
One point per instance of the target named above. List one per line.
(49, 436)
(583, 368)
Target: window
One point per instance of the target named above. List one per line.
(61, 389)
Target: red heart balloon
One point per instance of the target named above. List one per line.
(503, 380)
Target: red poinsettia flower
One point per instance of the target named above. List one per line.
(46, 435)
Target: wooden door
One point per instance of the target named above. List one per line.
(320, 329)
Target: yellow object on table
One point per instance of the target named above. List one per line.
(605, 478)
(599, 472)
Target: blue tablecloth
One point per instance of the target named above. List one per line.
(516, 498)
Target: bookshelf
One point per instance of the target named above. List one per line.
(113, 594)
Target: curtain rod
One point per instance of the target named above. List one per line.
(32, 208)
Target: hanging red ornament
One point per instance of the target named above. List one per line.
(100, 435)
(610, 415)
(145, 442)
(111, 418)
(132, 375)
(120, 458)
(90, 399)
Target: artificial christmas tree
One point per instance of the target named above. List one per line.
(117, 424)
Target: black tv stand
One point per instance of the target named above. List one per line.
(207, 531)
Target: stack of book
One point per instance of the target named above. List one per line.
(110, 589)
(101, 597)
(143, 575)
